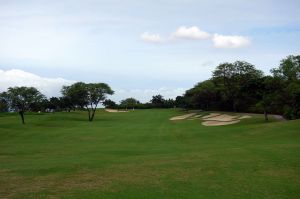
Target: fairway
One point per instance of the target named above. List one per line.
(142, 154)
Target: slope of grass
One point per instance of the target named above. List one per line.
(142, 154)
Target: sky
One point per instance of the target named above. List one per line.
(140, 47)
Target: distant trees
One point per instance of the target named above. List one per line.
(79, 95)
(129, 103)
(110, 104)
(4, 107)
(230, 79)
(288, 73)
(289, 69)
(22, 99)
(236, 86)
(202, 96)
(158, 101)
(87, 96)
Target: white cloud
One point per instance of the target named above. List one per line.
(224, 41)
(193, 33)
(48, 86)
(152, 38)
(52, 86)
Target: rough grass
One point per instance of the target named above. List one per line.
(142, 154)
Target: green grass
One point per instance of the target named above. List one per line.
(142, 154)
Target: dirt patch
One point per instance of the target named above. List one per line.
(211, 115)
(218, 123)
(115, 111)
(183, 117)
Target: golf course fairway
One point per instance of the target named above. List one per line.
(143, 154)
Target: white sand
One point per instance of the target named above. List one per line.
(114, 111)
(183, 117)
(221, 118)
(218, 123)
(211, 115)
(245, 117)
(197, 116)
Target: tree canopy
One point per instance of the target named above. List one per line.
(87, 96)
(22, 99)
(239, 86)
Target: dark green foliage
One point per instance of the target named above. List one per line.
(289, 68)
(4, 107)
(88, 96)
(157, 101)
(22, 99)
(129, 103)
(109, 104)
(240, 87)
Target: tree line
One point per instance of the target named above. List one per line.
(78, 96)
(237, 86)
(157, 101)
(240, 87)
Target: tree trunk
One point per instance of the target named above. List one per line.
(89, 113)
(93, 114)
(266, 116)
(22, 116)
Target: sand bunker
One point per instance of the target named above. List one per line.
(218, 123)
(216, 119)
(213, 119)
(245, 117)
(221, 118)
(114, 111)
(183, 117)
(211, 115)
(197, 116)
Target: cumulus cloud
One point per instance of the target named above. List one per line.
(152, 38)
(52, 86)
(193, 33)
(48, 86)
(225, 41)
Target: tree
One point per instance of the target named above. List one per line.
(109, 104)
(169, 103)
(180, 101)
(203, 95)
(270, 93)
(76, 94)
(21, 99)
(3, 104)
(55, 103)
(87, 96)
(129, 103)
(289, 68)
(289, 73)
(230, 78)
(65, 103)
(157, 101)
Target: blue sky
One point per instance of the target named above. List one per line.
(140, 47)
